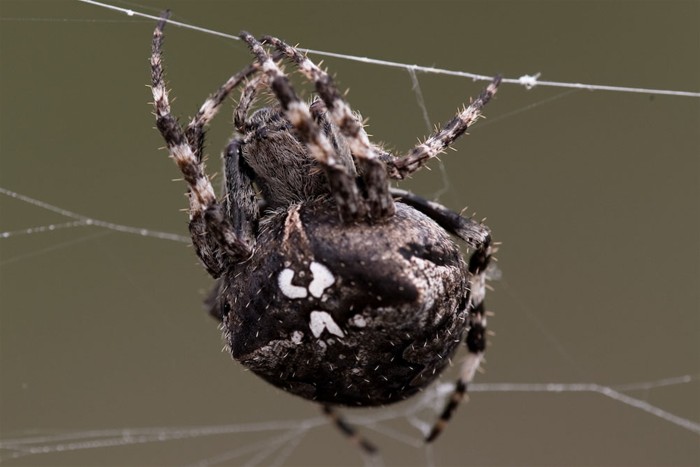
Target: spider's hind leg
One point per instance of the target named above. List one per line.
(474, 233)
(478, 237)
(348, 430)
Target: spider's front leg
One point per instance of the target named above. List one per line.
(351, 206)
(379, 200)
(214, 238)
(478, 237)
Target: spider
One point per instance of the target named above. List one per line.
(330, 284)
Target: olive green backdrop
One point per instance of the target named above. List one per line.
(595, 196)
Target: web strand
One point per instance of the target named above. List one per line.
(81, 221)
(528, 81)
(283, 436)
(294, 430)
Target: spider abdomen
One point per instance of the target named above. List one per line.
(359, 314)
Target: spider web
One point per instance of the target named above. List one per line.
(570, 388)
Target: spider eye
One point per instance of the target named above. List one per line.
(225, 308)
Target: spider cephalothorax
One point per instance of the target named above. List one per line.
(330, 284)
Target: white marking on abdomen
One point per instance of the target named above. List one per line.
(322, 279)
(297, 336)
(320, 320)
(284, 280)
(358, 321)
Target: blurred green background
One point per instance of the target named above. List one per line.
(595, 196)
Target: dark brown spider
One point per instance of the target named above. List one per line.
(330, 284)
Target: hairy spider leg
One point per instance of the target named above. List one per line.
(351, 206)
(380, 202)
(348, 430)
(212, 234)
(476, 337)
(472, 232)
(241, 201)
(240, 114)
(195, 129)
(478, 237)
(401, 167)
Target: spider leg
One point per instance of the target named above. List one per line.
(195, 129)
(380, 202)
(212, 235)
(478, 237)
(476, 337)
(348, 430)
(401, 167)
(350, 204)
(241, 199)
(474, 233)
(248, 95)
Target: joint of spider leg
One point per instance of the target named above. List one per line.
(480, 258)
(349, 431)
(283, 90)
(254, 46)
(323, 82)
(171, 131)
(476, 338)
(306, 66)
(186, 162)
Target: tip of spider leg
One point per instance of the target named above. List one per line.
(368, 447)
(434, 433)
(164, 16)
(497, 80)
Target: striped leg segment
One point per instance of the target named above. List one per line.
(240, 114)
(348, 430)
(476, 335)
(212, 234)
(401, 167)
(195, 129)
(478, 237)
(380, 203)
